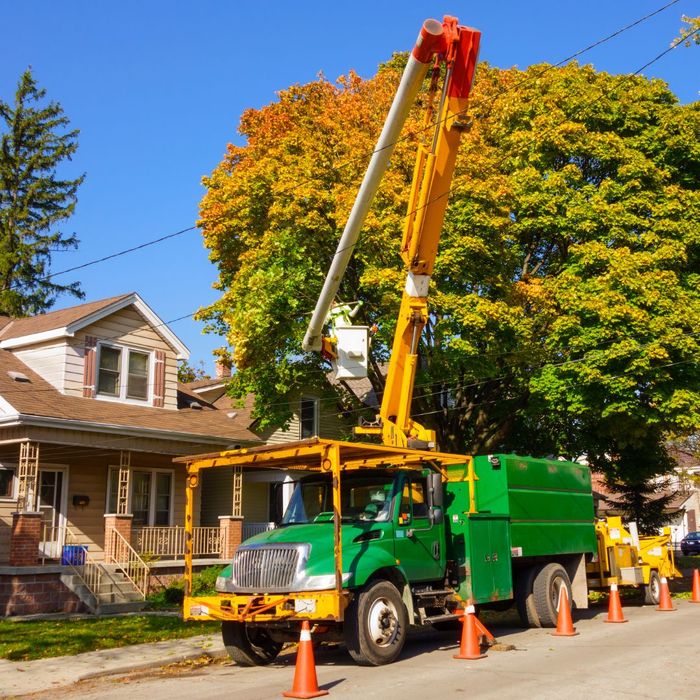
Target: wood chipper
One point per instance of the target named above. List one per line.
(628, 559)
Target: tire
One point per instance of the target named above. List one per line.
(525, 598)
(652, 590)
(376, 623)
(249, 645)
(546, 586)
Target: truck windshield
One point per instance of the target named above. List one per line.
(363, 499)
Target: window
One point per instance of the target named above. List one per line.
(123, 373)
(150, 497)
(413, 503)
(7, 482)
(308, 423)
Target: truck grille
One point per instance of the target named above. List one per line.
(265, 568)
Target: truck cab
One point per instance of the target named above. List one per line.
(389, 521)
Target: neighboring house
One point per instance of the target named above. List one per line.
(91, 416)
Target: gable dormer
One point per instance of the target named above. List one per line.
(115, 349)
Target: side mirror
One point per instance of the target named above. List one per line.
(435, 498)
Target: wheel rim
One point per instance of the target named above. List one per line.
(382, 622)
(557, 585)
(654, 588)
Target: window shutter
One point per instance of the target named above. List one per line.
(90, 367)
(159, 380)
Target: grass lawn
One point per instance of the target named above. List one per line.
(24, 641)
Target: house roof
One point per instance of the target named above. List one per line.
(19, 332)
(37, 400)
(612, 501)
(30, 325)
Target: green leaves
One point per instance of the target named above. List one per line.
(565, 300)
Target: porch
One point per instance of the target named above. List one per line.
(108, 520)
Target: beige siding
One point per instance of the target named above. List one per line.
(330, 425)
(6, 510)
(126, 327)
(49, 360)
(279, 436)
(87, 525)
(256, 507)
(217, 497)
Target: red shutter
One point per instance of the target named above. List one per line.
(89, 367)
(159, 380)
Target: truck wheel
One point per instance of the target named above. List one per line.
(652, 590)
(546, 586)
(525, 597)
(249, 645)
(375, 625)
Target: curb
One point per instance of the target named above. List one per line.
(146, 665)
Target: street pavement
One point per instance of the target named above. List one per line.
(655, 655)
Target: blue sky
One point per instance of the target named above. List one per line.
(157, 88)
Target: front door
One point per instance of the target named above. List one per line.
(52, 506)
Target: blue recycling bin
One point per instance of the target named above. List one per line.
(73, 555)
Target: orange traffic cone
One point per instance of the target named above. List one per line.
(305, 683)
(615, 606)
(665, 604)
(696, 587)
(565, 626)
(469, 647)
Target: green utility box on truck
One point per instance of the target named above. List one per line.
(377, 538)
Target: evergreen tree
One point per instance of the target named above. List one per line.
(34, 141)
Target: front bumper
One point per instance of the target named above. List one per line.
(326, 606)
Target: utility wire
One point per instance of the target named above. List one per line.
(356, 160)
(436, 198)
(118, 254)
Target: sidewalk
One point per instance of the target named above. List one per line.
(21, 677)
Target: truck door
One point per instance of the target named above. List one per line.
(419, 546)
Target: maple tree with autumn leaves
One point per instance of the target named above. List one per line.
(566, 296)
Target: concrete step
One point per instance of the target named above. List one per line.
(112, 608)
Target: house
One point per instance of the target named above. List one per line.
(91, 417)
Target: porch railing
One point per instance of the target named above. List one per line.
(118, 551)
(89, 570)
(250, 529)
(170, 541)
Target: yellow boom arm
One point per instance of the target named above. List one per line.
(432, 178)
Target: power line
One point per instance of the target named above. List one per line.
(118, 254)
(674, 45)
(356, 160)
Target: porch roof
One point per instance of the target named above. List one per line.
(313, 454)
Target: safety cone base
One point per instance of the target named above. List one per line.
(317, 694)
(567, 634)
(695, 597)
(667, 609)
(469, 657)
(615, 621)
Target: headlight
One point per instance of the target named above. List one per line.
(320, 583)
(221, 584)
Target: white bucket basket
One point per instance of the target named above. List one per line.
(352, 350)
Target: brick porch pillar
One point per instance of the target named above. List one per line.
(26, 535)
(122, 525)
(231, 527)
